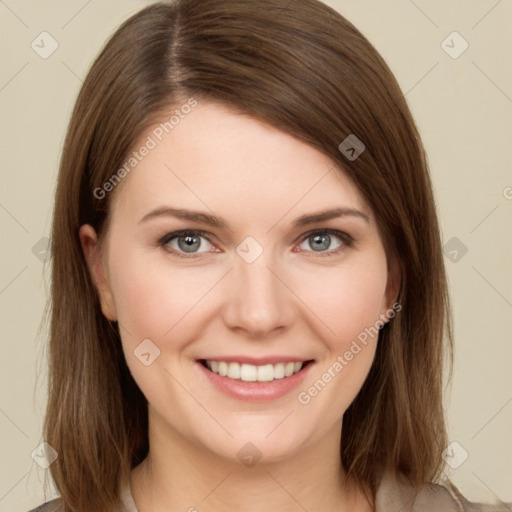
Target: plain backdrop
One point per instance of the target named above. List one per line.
(461, 99)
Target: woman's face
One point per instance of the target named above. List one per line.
(250, 281)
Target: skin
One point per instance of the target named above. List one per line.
(290, 300)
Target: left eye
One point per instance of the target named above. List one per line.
(320, 241)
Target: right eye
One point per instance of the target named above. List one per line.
(185, 242)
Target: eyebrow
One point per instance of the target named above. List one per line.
(216, 222)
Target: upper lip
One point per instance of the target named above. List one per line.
(257, 361)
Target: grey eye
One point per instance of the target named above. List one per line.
(189, 243)
(320, 242)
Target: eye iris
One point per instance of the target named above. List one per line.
(324, 240)
(191, 243)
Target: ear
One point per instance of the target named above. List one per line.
(96, 266)
(392, 286)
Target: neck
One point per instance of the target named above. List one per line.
(180, 475)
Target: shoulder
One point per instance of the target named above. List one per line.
(50, 506)
(468, 506)
(395, 493)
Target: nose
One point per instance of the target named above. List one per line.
(258, 300)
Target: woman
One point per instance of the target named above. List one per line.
(249, 303)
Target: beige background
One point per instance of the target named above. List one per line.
(463, 107)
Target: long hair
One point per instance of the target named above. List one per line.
(303, 68)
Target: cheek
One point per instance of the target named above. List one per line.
(158, 301)
(154, 298)
(347, 300)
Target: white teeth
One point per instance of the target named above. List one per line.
(223, 368)
(279, 371)
(233, 371)
(248, 372)
(265, 373)
(251, 373)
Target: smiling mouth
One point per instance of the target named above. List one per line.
(252, 373)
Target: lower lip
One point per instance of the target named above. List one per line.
(256, 391)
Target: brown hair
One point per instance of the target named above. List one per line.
(306, 70)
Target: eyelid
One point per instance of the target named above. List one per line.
(176, 234)
(329, 231)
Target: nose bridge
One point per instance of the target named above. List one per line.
(261, 302)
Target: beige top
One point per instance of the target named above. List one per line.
(395, 496)
(392, 496)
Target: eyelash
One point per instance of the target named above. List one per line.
(345, 238)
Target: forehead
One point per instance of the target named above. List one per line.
(232, 164)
